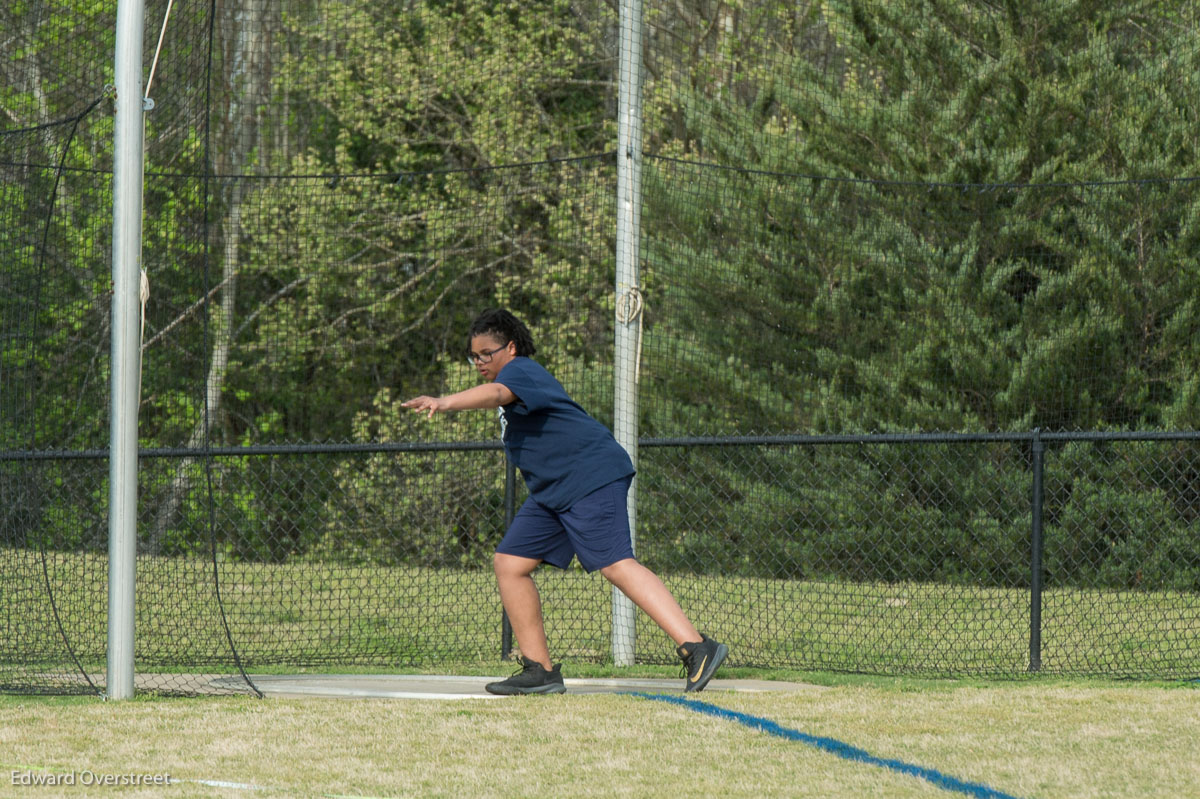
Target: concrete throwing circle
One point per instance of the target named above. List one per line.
(425, 686)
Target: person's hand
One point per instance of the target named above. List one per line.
(431, 405)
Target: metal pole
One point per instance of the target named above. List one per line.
(128, 172)
(1035, 565)
(510, 510)
(628, 300)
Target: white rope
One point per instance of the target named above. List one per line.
(629, 307)
(144, 296)
(161, 35)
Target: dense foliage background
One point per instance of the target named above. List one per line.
(857, 217)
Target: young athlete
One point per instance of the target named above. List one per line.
(578, 478)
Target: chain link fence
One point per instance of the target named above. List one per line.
(896, 554)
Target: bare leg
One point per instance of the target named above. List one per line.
(648, 592)
(521, 601)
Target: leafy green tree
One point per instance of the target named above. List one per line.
(959, 216)
(918, 216)
(55, 218)
(445, 121)
(449, 160)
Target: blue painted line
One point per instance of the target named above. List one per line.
(834, 747)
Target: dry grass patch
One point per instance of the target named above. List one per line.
(1028, 739)
(1085, 740)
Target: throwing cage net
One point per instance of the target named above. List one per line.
(919, 315)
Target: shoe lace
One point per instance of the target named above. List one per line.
(685, 670)
(526, 665)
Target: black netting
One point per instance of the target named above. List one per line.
(907, 268)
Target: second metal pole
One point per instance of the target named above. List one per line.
(627, 341)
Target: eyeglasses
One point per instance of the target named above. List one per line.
(485, 356)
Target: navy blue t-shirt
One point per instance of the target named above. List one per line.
(562, 453)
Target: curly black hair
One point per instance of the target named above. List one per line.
(504, 327)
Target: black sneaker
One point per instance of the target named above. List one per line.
(700, 661)
(531, 679)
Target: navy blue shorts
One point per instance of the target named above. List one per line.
(595, 529)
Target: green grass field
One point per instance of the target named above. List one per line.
(1040, 736)
(1047, 738)
(322, 615)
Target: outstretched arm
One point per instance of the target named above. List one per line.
(488, 395)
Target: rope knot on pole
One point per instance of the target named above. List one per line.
(630, 306)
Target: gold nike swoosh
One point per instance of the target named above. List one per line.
(699, 670)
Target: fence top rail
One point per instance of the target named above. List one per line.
(920, 438)
(262, 449)
(681, 441)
